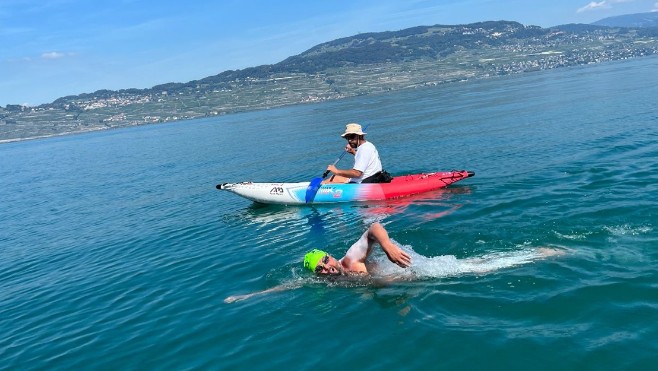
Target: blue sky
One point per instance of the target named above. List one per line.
(53, 48)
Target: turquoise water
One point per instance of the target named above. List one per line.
(117, 252)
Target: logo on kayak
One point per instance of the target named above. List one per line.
(276, 191)
(331, 191)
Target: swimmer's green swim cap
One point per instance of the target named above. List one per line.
(312, 258)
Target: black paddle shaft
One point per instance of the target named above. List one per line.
(335, 162)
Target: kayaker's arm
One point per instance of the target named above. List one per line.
(351, 173)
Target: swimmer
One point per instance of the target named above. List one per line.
(353, 263)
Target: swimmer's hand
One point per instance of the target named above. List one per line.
(546, 252)
(234, 298)
(397, 255)
(393, 252)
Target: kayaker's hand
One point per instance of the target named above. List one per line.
(349, 149)
(332, 169)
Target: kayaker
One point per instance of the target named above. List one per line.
(367, 165)
(353, 263)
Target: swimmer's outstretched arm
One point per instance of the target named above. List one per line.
(235, 298)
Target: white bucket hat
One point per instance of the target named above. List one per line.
(352, 128)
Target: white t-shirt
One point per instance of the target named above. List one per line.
(367, 161)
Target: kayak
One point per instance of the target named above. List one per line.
(295, 193)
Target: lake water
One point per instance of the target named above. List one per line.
(117, 251)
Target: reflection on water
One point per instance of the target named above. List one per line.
(439, 203)
(436, 204)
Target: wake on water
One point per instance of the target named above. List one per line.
(449, 266)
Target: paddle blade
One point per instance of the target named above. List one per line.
(312, 189)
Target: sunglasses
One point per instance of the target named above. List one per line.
(351, 136)
(324, 261)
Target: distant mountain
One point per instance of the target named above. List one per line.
(435, 42)
(630, 20)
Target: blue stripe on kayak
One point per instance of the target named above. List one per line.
(332, 193)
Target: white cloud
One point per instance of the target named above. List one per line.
(47, 56)
(55, 55)
(603, 4)
(19, 60)
(52, 55)
(655, 7)
(593, 5)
